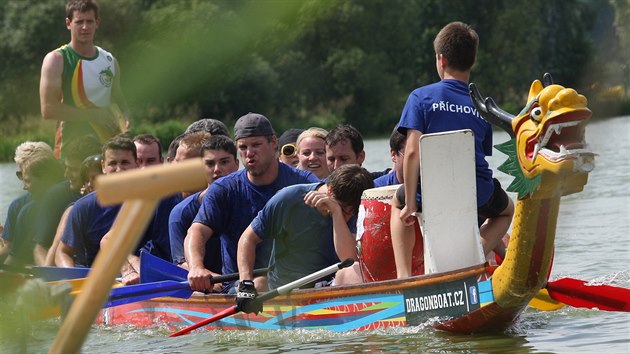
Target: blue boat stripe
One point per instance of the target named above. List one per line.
(486, 297)
(485, 286)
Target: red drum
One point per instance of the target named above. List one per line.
(376, 255)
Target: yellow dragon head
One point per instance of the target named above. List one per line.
(547, 154)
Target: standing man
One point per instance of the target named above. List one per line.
(233, 201)
(80, 82)
(455, 53)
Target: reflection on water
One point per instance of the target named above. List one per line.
(592, 243)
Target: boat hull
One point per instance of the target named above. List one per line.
(456, 300)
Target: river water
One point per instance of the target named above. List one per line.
(592, 243)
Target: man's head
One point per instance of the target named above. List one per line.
(457, 43)
(346, 184)
(27, 151)
(256, 142)
(287, 145)
(208, 125)
(90, 169)
(82, 20)
(172, 148)
(190, 146)
(73, 155)
(344, 145)
(149, 150)
(40, 173)
(397, 151)
(119, 154)
(81, 6)
(219, 157)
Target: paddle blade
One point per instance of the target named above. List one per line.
(154, 269)
(576, 293)
(543, 302)
(59, 273)
(223, 314)
(139, 292)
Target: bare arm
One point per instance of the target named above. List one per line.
(64, 254)
(51, 95)
(344, 240)
(50, 255)
(246, 254)
(118, 97)
(411, 172)
(195, 251)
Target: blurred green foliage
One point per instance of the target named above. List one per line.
(314, 62)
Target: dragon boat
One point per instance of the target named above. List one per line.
(454, 289)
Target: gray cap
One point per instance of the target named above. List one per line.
(212, 126)
(252, 124)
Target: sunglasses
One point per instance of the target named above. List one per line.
(288, 150)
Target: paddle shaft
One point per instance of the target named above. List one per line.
(283, 290)
(139, 292)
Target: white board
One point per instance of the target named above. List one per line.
(449, 201)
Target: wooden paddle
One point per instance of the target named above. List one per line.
(283, 290)
(141, 191)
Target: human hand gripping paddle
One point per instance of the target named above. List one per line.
(283, 290)
(160, 278)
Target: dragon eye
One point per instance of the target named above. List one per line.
(536, 114)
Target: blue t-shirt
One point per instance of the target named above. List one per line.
(156, 237)
(87, 223)
(303, 237)
(446, 106)
(179, 221)
(12, 216)
(231, 204)
(53, 204)
(389, 179)
(22, 241)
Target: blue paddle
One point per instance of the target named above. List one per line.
(48, 273)
(160, 278)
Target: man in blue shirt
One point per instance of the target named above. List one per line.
(446, 106)
(313, 226)
(219, 157)
(396, 152)
(233, 201)
(88, 222)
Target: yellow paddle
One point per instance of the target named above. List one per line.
(77, 284)
(543, 302)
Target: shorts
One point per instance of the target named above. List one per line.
(498, 201)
